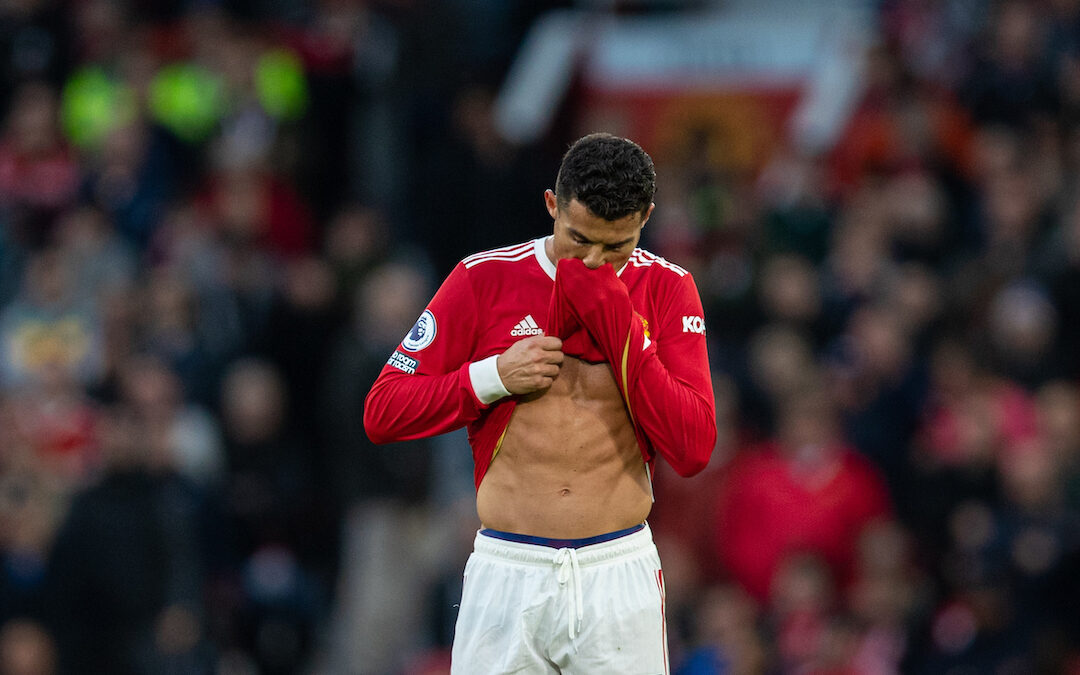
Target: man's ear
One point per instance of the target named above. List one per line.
(648, 213)
(552, 203)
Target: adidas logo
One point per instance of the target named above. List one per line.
(526, 326)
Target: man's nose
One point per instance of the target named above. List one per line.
(594, 258)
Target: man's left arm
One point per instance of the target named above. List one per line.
(663, 371)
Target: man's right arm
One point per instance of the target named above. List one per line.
(429, 386)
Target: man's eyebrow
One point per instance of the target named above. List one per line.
(577, 235)
(586, 240)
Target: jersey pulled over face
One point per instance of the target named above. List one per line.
(581, 234)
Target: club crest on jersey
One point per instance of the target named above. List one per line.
(422, 333)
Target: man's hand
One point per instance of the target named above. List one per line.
(530, 364)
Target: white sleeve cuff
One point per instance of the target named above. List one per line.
(486, 383)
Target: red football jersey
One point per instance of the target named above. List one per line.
(495, 298)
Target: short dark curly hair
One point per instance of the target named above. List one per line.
(612, 176)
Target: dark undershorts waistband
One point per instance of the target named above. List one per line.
(560, 543)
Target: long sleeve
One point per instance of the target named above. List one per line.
(425, 388)
(665, 378)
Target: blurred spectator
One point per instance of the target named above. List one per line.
(39, 176)
(269, 492)
(166, 325)
(900, 126)
(885, 599)
(970, 419)
(916, 298)
(12, 261)
(879, 387)
(281, 532)
(492, 194)
(131, 178)
(99, 25)
(1012, 81)
(283, 603)
(930, 37)
(50, 326)
(357, 240)
(100, 263)
(1012, 214)
(35, 44)
(795, 195)
(183, 435)
(859, 254)
(353, 56)
(31, 507)
(917, 218)
(56, 419)
(728, 636)
(300, 330)
(1022, 331)
(26, 648)
(805, 491)
(386, 305)
(249, 207)
(802, 598)
(974, 415)
(1058, 265)
(781, 362)
(790, 294)
(228, 274)
(1059, 431)
(128, 566)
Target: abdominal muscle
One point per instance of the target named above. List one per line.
(569, 464)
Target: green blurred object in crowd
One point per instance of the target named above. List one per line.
(281, 85)
(92, 105)
(187, 99)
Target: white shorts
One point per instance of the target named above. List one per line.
(589, 610)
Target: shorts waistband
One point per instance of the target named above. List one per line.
(559, 543)
(630, 541)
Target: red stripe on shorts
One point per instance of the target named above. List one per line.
(663, 616)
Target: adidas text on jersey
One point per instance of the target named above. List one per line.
(526, 326)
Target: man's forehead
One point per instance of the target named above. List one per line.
(582, 218)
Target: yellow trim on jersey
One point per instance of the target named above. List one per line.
(498, 444)
(625, 384)
(629, 410)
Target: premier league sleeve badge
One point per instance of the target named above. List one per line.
(422, 333)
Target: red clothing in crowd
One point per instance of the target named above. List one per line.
(262, 208)
(771, 507)
(46, 182)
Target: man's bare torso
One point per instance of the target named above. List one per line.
(569, 465)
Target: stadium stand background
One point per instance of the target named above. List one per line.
(218, 218)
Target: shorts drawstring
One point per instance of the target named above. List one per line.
(567, 563)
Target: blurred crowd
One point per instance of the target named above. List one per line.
(217, 219)
(893, 325)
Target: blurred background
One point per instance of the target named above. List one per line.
(218, 218)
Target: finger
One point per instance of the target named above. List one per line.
(543, 369)
(550, 371)
(553, 357)
(549, 343)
